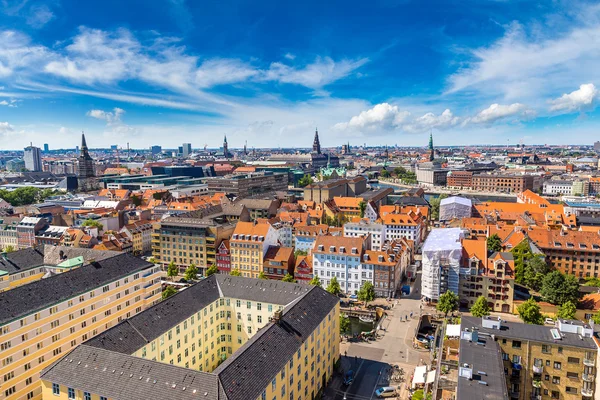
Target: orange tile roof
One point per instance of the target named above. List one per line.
(557, 239)
(245, 169)
(249, 228)
(339, 241)
(398, 219)
(277, 253)
(307, 203)
(590, 302)
(348, 202)
(475, 248)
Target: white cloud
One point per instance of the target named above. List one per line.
(381, 116)
(431, 121)
(39, 16)
(113, 117)
(10, 103)
(6, 128)
(222, 71)
(497, 112)
(577, 100)
(290, 56)
(17, 53)
(114, 125)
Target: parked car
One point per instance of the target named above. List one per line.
(349, 377)
(386, 391)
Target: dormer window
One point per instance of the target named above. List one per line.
(332, 249)
(235, 236)
(321, 247)
(354, 250)
(570, 245)
(557, 244)
(380, 258)
(582, 246)
(342, 249)
(596, 247)
(366, 257)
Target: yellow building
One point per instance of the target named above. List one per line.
(223, 338)
(43, 320)
(539, 362)
(140, 233)
(188, 240)
(249, 245)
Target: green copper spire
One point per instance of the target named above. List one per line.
(431, 152)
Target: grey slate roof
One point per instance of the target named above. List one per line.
(52, 254)
(35, 296)
(535, 333)
(91, 369)
(242, 376)
(485, 357)
(21, 260)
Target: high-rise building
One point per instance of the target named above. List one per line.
(316, 144)
(46, 148)
(32, 158)
(597, 146)
(187, 149)
(155, 149)
(85, 163)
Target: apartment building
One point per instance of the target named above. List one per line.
(260, 208)
(571, 252)
(47, 318)
(8, 236)
(340, 257)
(320, 192)
(187, 240)
(375, 231)
(504, 183)
(388, 265)
(491, 275)
(248, 246)
(279, 261)
(442, 258)
(20, 267)
(459, 179)
(409, 226)
(140, 233)
(558, 187)
(224, 338)
(541, 362)
(224, 257)
(27, 229)
(305, 236)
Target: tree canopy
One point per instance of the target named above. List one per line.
(480, 307)
(93, 224)
(211, 270)
(494, 243)
(191, 273)
(261, 275)
(334, 286)
(25, 195)
(168, 292)
(535, 269)
(299, 253)
(344, 324)
(362, 206)
(366, 292)
(435, 206)
(172, 270)
(530, 312)
(558, 288)
(447, 302)
(315, 281)
(305, 181)
(566, 310)
(288, 278)
(235, 272)
(9, 248)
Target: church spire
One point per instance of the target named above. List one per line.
(316, 144)
(431, 151)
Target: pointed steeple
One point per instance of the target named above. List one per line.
(316, 144)
(225, 139)
(431, 151)
(83, 143)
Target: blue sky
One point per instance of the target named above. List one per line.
(380, 72)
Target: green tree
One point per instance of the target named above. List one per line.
(235, 272)
(447, 302)
(596, 318)
(366, 292)
(522, 254)
(288, 278)
(344, 324)
(384, 173)
(191, 273)
(136, 200)
(494, 243)
(481, 307)
(299, 253)
(334, 286)
(168, 292)
(305, 181)
(315, 281)
(566, 310)
(9, 249)
(261, 275)
(558, 288)
(172, 270)
(535, 270)
(152, 260)
(362, 206)
(595, 282)
(530, 312)
(92, 224)
(434, 203)
(211, 270)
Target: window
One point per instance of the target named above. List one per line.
(516, 344)
(573, 375)
(557, 365)
(573, 360)
(556, 380)
(571, 390)
(71, 394)
(546, 348)
(87, 396)
(555, 394)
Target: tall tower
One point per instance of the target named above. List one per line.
(85, 164)
(225, 150)
(316, 144)
(431, 152)
(246, 148)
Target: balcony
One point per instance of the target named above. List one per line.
(538, 370)
(536, 383)
(587, 392)
(588, 377)
(589, 362)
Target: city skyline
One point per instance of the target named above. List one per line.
(390, 73)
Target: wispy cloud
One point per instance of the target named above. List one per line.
(6, 128)
(39, 16)
(578, 100)
(114, 123)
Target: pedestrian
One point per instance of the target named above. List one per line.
(411, 314)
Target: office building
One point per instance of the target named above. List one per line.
(538, 361)
(155, 150)
(442, 255)
(32, 158)
(43, 320)
(320, 192)
(224, 338)
(186, 149)
(46, 148)
(245, 185)
(459, 179)
(504, 183)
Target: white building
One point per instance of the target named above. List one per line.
(366, 227)
(284, 230)
(407, 226)
(442, 253)
(558, 188)
(33, 158)
(340, 257)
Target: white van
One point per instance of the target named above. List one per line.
(386, 391)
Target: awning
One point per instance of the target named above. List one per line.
(419, 376)
(453, 330)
